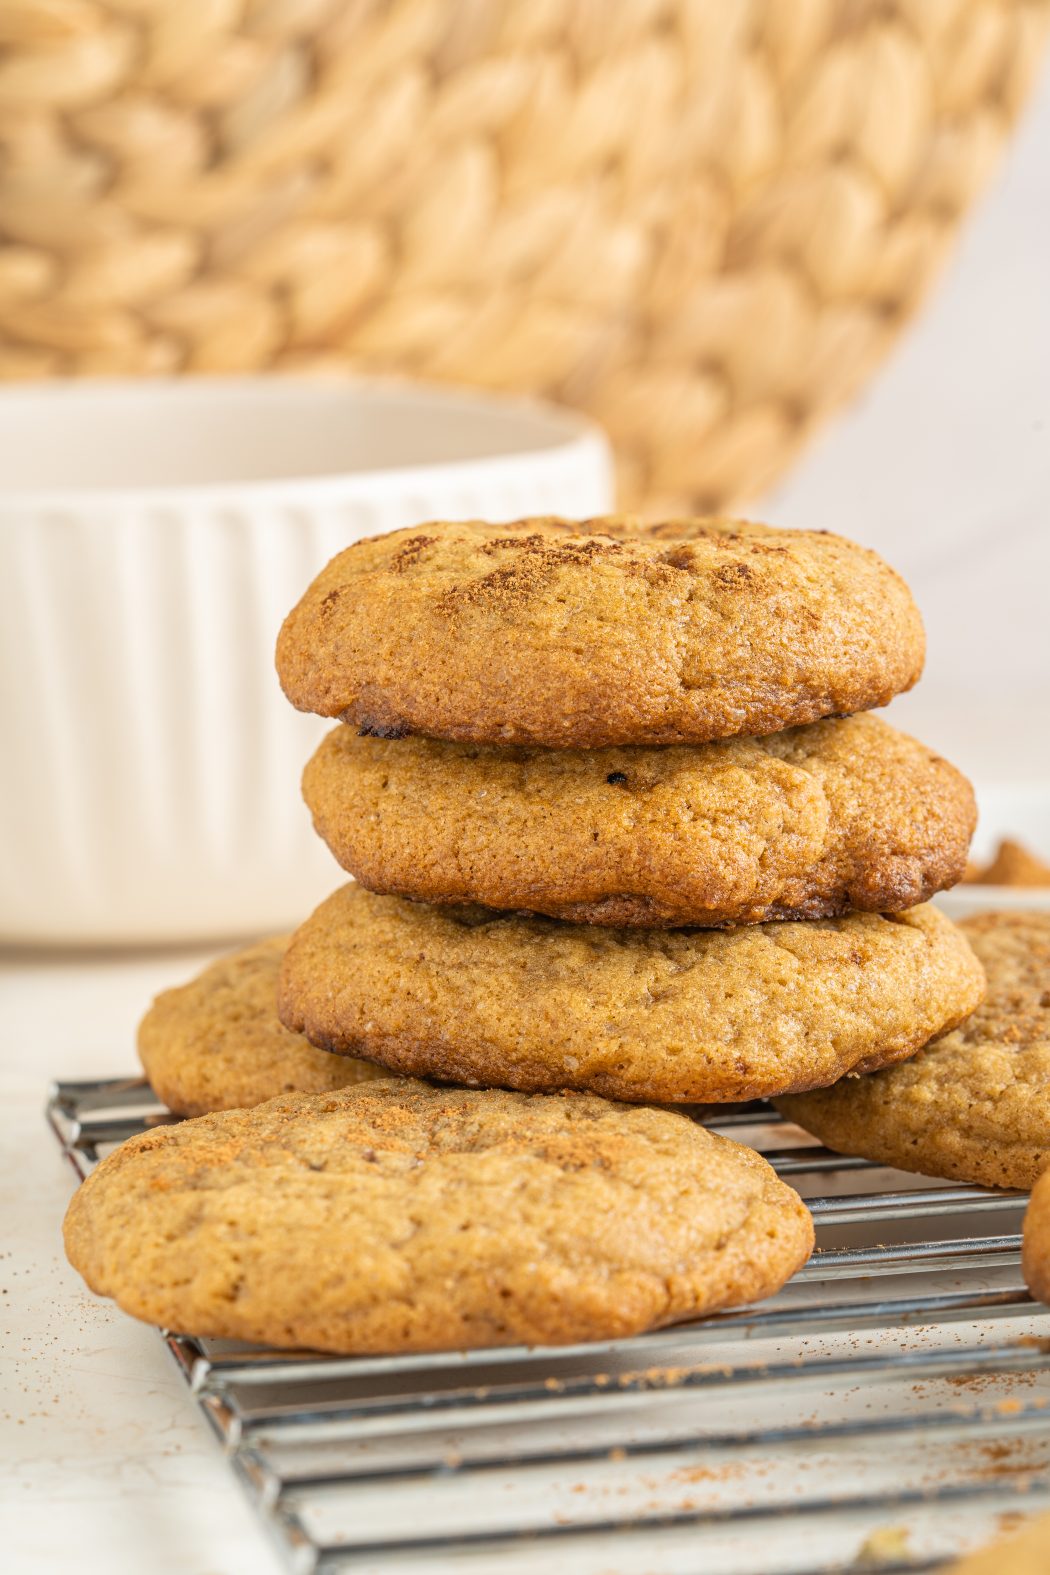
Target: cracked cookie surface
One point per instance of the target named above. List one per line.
(217, 1043)
(673, 1016)
(808, 823)
(974, 1106)
(598, 632)
(396, 1217)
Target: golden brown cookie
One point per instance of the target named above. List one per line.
(605, 631)
(396, 1217)
(1036, 1254)
(1025, 1552)
(217, 1042)
(975, 1106)
(675, 1016)
(808, 823)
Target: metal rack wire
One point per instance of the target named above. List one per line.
(889, 1408)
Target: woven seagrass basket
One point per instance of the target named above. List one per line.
(703, 221)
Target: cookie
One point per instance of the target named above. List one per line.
(808, 823)
(975, 1106)
(1036, 1253)
(217, 1042)
(1025, 1552)
(675, 1016)
(396, 1217)
(597, 632)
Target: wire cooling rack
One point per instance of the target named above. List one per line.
(889, 1408)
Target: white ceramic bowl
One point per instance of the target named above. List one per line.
(152, 537)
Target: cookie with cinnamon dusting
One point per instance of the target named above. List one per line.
(599, 632)
(395, 1217)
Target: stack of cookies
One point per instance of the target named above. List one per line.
(617, 818)
(624, 835)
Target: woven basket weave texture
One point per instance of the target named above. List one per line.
(703, 221)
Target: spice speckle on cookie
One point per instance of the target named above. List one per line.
(597, 632)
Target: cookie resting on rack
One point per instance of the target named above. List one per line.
(394, 1217)
(975, 1105)
(1036, 1248)
(1023, 1552)
(217, 1043)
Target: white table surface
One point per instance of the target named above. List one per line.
(104, 1463)
(945, 466)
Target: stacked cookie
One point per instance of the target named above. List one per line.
(614, 820)
(623, 835)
